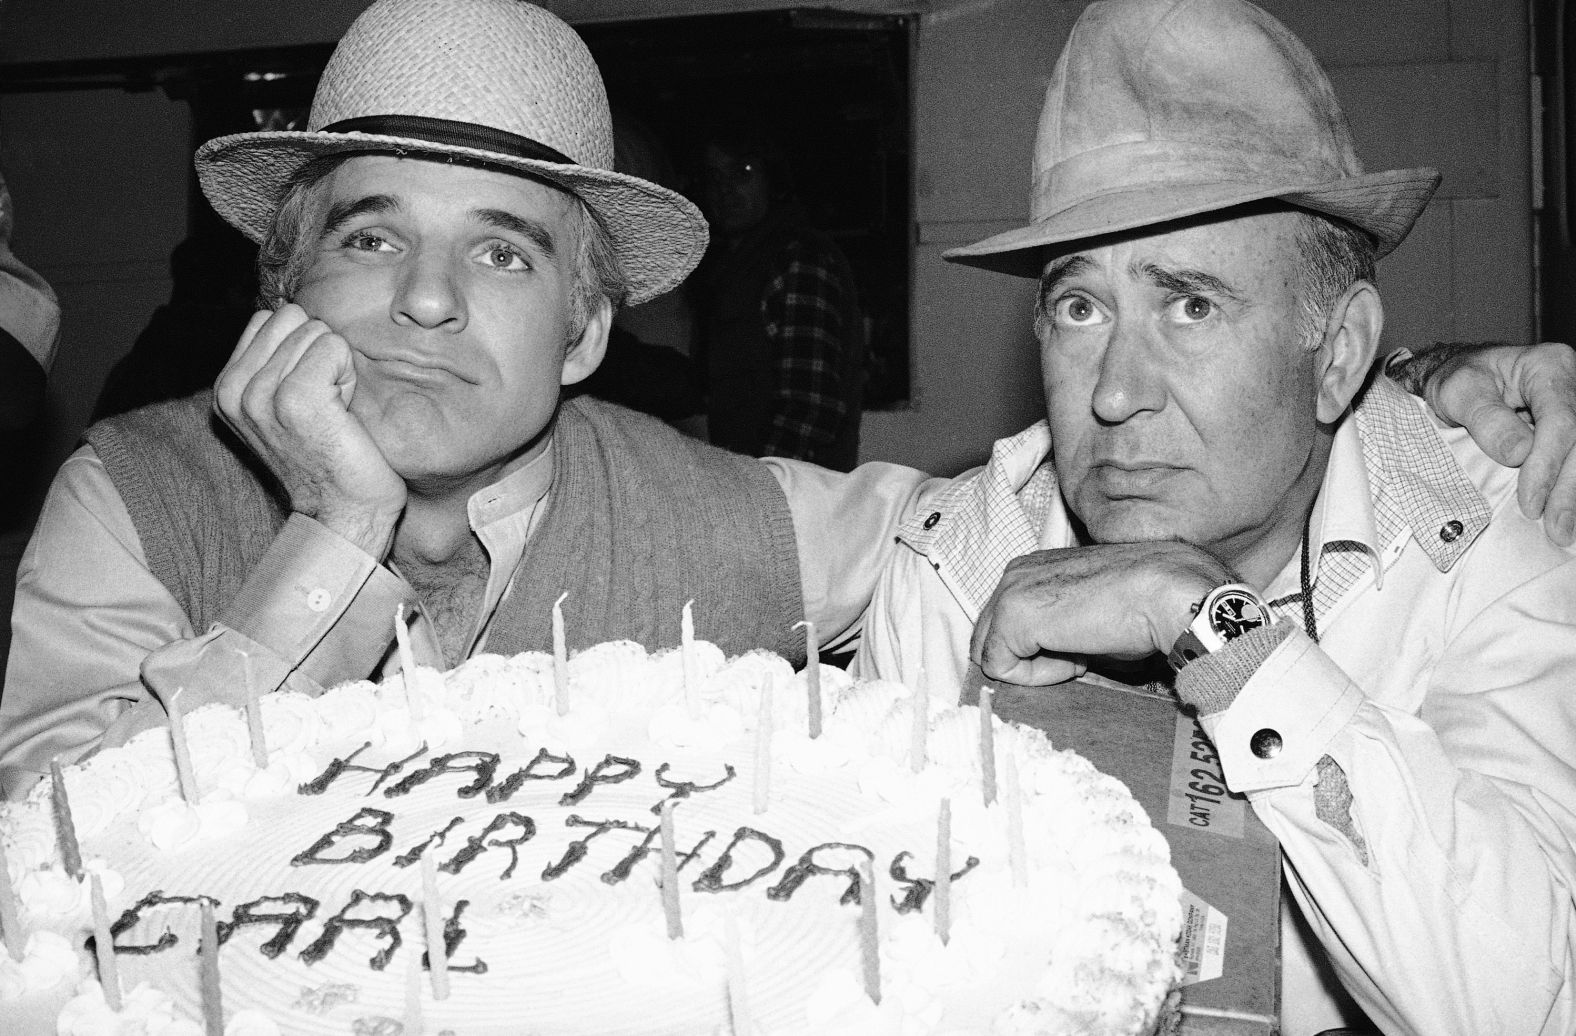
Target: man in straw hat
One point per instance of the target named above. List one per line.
(443, 250)
(1377, 640)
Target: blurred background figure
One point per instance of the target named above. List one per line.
(213, 293)
(29, 332)
(782, 336)
(648, 365)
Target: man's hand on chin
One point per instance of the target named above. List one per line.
(1120, 600)
(286, 391)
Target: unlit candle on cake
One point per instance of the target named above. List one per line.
(407, 657)
(763, 747)
(921, 728)
(65, 830)
(869, 937)
(254, 714)
(739, 1023)
(104, 945)
(413, 1021)
(1015, 850)
(407, 662)
(670, 875)
(944, 872)
(987, 747)
(183, 755)
(432, 918)
(687, 655)
(560, 657)
(10, 918)
(812, 674)
(208, 955)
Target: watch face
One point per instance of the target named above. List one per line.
(1233, 613)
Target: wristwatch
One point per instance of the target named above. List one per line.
(1225, 613)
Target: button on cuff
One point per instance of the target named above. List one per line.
(319, 600)
(1265, 743)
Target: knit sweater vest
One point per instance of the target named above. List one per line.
(639, 521)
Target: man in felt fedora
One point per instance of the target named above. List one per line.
(442, 252)
(1378, 641)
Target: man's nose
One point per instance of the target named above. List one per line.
(1130, 382)
(430, 294)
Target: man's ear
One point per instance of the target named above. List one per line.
(1351, 341)
(585, 356)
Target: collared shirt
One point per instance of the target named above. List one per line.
(1436, 875)
(92, 626)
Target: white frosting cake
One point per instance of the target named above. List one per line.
(543, 829)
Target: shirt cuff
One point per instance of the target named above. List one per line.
(320, 603)
(1281, 722)
(1210, 683)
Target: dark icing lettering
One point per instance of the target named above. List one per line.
(355, 827)
(438, 837)
(145, 905)
(482, 764)
(710, 879)
(453, 935)
(603, 772)
(337, 767)
(800, 872)
(684, 789)
(576, 850)
(511, 784)
(477, 844)
(917, 890)
(383, 925)
(621, 870)
(299, 910)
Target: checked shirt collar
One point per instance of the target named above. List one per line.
(1389, 473)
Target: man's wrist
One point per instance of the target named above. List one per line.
(1417, 371)
(1178, 600)
(372, 531)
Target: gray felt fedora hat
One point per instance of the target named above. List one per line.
(1164, 109)
(496, 81)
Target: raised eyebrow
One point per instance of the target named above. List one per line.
(343, 212)
(533, 231)
(1059, 270)
(1189, 282)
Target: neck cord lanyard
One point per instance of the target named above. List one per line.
(1309, 622)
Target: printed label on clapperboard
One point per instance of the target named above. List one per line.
(1203, 940)
(1199, 798)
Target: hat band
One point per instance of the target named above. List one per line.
(454, 134)
(1169, 165)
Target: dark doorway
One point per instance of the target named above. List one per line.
(830, 87)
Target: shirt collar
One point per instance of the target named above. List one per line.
(1415, 482)
(518, 491)
(1390, 475)
(979, 523)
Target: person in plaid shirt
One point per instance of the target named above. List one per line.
(784, 337)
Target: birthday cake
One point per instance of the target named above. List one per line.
(527, 820)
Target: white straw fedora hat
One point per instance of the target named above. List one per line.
(1163, 109)
(496, 81)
